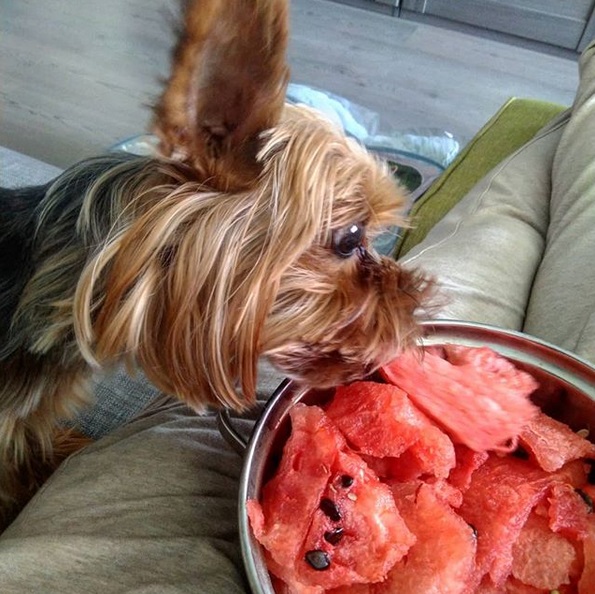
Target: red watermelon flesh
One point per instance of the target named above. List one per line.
(377, 419)
(282, 518)
(355, 589)
(574, 473)
(431, 456)
(442, 559)
(433, 452)
(373, 534)
(492, 367)
(586, 584)
(568, 511)
(442, 490)
(391, 433)
(512, 586)
(552, 443)
(446, 492)
(284, 581)
(485, 410)
(502, 493)
(486, 587)
(467, 461)
(542, 558)
(291, 520)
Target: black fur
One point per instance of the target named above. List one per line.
(17, 228)
(38, 224)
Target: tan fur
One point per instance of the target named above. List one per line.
(193, 265)
(227, 85)
(276, 292)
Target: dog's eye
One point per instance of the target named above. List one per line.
(348, 239)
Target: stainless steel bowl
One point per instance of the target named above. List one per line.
(567, 392)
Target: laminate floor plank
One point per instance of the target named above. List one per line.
(77, 77)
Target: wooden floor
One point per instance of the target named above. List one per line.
(76, 77)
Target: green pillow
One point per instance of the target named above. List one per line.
(515, 123)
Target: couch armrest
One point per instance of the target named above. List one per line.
(515, 123)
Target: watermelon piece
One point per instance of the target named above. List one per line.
(568, 511)
(432, 456)
(493, 367)
(542, 558)
(442, 490)
(373, 534)
(586, 583)
(513, 586)
(434, 453)
(486, 587)
(283, 516)
(377, 419)
(467, 462)
(442, 559)
(446, 492)
(354, 589)
(405, 494)
(318, 473)
(280, 587)
(574, 473)
(283, 579)
(481, 401)
(502, 493)
(394, 437)
(552, 444)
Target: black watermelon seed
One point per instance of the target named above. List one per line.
(330, 509)
(334, 536)
(318, 560)
(346, 481)
(586, 498)
(591, 477)
(473, 529)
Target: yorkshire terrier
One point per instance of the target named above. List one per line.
(248, 235)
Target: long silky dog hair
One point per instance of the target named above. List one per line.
(248, 235)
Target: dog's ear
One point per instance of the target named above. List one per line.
(227, 85)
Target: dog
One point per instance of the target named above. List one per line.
(248, 235)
